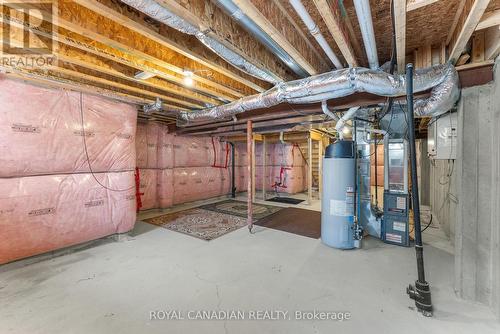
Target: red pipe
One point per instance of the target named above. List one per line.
(138, 194)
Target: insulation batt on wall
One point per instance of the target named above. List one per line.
(41, 131)
(179, 169)
(284, 169)
(48, 197)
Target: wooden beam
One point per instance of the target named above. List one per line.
(208, 16)
(489, 19)
(263, 22)
(427, 56)
(103, 32)
(456, 18)
(416, 4)
(97, 80)
(492, 42)
(470, 17)
(330, 12)
(478, 47)
(117, 74)
(400, 28)
(102, 28)
(47, 79)
(94, 49)
(110, 10)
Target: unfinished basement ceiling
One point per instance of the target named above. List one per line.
(104, 44)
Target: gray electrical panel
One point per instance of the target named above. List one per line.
(442, 137)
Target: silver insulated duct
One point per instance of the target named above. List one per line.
(441, 79)
(165, 16)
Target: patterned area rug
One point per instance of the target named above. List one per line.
(238, 208)
(199, 223)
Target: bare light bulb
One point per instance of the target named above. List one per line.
(188, 81)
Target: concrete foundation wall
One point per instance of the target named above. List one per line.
(477, 169)
(443, 196)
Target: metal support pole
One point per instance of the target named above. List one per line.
(320, 167)
(421, 292)
(233, 184)
(264, 167)
(250, 173)
(309, 169)
(253, 169)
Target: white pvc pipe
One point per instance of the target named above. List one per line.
(347, 116)
(364, 15)
(326, 111)
(314, 30)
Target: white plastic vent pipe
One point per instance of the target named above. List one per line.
(364, 15)
(314, 30)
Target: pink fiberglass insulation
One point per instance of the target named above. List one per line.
(147, 145)
(43, 213)
(165, 188)
(165, 148)
(192, 152)
(292, 180)
(148, 179)
(41, 131)
(195, 183)
(287, 155)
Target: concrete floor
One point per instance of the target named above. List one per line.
(111, 287)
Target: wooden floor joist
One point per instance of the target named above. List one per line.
(115, 57)
(400, 29)
(148, 32)
(93, 32)
(330, 12)
(253, 13)
(97, 80)
(467, 22)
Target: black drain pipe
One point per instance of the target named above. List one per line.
(421, 292)
(233, 186)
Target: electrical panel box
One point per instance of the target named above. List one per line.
(442, 137)
(395, 223)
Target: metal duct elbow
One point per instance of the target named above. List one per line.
(158, 12)
(443, 96)
(442, 79)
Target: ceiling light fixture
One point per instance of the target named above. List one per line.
(143, 75)
(188, 78)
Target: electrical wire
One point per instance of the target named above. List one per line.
(87, 153)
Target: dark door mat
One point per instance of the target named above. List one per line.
(298, 221)
(199, 223)
(286, 200)
(239, 208)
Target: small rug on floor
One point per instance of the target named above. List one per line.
(286, 200)
(199, 223)
(239, 208)
(298, 221)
